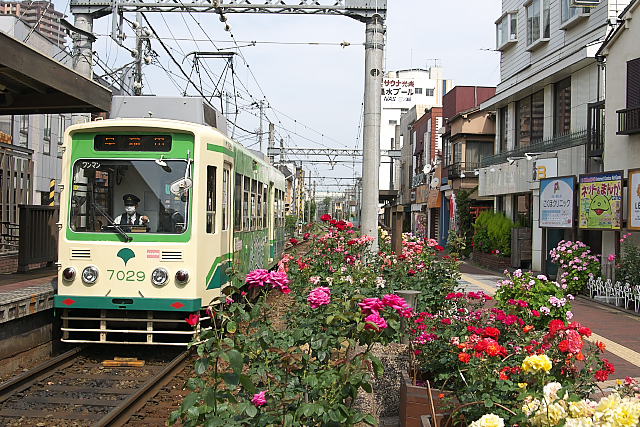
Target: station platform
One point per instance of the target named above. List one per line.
(24, 294)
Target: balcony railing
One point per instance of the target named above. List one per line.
(418, 180)
(595, 129)
(628, 121)
(551, 144)
(456, 170)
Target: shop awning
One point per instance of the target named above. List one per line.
(33, 83)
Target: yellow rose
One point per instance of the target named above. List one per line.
(580, 409)
(537, 363)
(627, 414)
(488, 420)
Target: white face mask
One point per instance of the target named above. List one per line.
(130, 209)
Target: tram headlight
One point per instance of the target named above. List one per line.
(90, 275)
(182, 277)
(159, 276)
(69, 273)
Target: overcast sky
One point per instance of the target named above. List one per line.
(319, 86)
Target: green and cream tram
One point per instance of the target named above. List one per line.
(153, 215)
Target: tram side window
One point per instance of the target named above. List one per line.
(265, 211)
(211, 199)
(254, 189)
(260, 206)
(246, 215)
(226, 175)
(237, 204)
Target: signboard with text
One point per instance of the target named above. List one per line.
(634, 200)
(557, 202)
(600, 201)
(398, 93)
(545, 168)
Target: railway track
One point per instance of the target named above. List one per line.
(75, 389)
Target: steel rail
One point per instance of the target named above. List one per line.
(131, 405)
(27, 379)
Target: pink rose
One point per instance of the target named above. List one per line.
(259, 399)
(375, 322)
(257, 278)
(319, 296)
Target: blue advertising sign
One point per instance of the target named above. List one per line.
(557, 202)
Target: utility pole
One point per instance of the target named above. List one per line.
(272, 139)
(373, 59)
(137, 80)
(261, 107)
(83, 44)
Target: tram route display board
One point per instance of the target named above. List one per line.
(132, 143)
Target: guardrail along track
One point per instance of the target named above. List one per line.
(76, 389)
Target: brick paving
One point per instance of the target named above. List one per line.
(617, 328)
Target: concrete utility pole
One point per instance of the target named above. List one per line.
(137, 81)
(373, 60)
(83, 44)
(272, 140)
(261, 107)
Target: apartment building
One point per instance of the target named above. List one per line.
(550, 84)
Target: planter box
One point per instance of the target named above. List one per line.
(416, 402)
(493, 262)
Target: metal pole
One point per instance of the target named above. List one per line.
(137, 82)
(82, 45)
(272, 138)
(373, 59)
(261, 106)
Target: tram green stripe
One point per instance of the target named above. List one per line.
(219, 149)
(136, 303)
(215, 264)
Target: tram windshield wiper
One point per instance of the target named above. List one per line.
(112, 223)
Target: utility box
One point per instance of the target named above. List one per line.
(184, 108)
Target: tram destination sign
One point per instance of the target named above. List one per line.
(132, 143)
(557, 202)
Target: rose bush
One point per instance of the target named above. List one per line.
(577, 263)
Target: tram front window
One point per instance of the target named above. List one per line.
(137, 196)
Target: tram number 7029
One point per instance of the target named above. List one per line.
(127, 276)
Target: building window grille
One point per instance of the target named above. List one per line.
(530, 119)
(46, 135)
(562, 108)
(429, 92)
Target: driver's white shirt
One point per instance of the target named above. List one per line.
(133, 218)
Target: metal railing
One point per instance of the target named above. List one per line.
(456, 170)
(38, 235)
(555, 143)
(595, 129)
(628, 121)
(418, 179)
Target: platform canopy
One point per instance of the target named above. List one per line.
(33, 83)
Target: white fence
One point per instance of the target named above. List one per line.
(620, 294)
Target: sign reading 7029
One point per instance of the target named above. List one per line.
(126, 275)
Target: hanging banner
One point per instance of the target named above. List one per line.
(634, 200)
(557, 202)
(600, 201)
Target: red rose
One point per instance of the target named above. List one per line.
(193, 319)
(464, 357)
(333, 222)
(411, 272)
(293, 241)
(439, 248)
(306, 236)
(326, 217)
(446, 321)
(535, 313)
(602, 375)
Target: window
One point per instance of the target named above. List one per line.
(562, 108)
(226, 176)
(475, 151)
(633, 83)
(246, 216)
(254, 207)
(529, 119)
(457, 152)
(568, 13)
(237, 203)
(260, 206)
(538, 20)
(211, 199)
(418, 91)
(506, 30)
(393, 122)
(503, 129)
(46, 135)
(429, 92)
(446, 143)
(265, 206)
(24, 131)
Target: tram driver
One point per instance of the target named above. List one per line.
(131, 216)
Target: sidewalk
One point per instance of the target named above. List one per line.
(616, 329)
(23, 294)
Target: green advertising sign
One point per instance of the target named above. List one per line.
(600, 201)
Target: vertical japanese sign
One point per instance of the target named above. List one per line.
(398, 93)
(600, 205)
(557, 202)
(634, 200)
